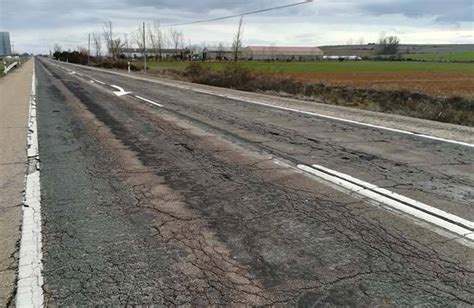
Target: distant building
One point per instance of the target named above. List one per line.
(5, 46)
(282, 53)
(165, 53)
(220, 53)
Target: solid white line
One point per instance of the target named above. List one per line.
(30, 279)
(335, 118)
(441, 219)
(148, 101)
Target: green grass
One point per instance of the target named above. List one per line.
(330, 67)
(469, 55)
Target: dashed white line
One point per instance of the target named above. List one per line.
(98, 81)
(30, 279)
(148, 101)
(462, 228)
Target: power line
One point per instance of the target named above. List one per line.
(238, 15)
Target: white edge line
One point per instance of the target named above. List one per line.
(287, 109)
(458, 230)
(331, 117)
(148, 101)
(30, 279)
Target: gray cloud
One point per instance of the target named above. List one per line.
(452, 11)
(37, 22)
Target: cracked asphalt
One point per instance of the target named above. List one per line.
(185, 205)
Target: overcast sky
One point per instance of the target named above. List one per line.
(35, 25)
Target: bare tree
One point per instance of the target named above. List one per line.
(361, 41)
(137, 37)
(389, 45)
(349, 42)
(177, 39)
(97, 40)
(237, 43)
(57, 48)
(220, 51)
(155, 36)
(114, 45)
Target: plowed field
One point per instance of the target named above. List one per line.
(439, 83)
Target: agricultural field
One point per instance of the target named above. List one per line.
(434, 78)
(468, 56)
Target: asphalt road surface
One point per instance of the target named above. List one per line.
(183, 198)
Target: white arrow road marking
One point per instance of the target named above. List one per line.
(148, 101)
(457, 225)
(120, 92)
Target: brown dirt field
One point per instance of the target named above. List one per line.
(445, 84)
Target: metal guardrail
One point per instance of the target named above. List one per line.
(9, 67)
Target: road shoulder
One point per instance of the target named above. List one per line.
(15, 91)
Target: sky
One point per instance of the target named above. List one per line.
(36, 25)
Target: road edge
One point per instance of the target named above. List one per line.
(30, 281)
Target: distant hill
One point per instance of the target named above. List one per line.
(371, 49)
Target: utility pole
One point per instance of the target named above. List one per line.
(237, 45)
(144, 45)
(89, 51)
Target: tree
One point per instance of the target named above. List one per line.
(114, 45)
(137, 37)
(155, 36)
(97, 41)
(177, 39)
(237, 43)
(389, 45)
(220, 51)
(57, 48)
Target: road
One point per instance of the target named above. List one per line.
(170, 196)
